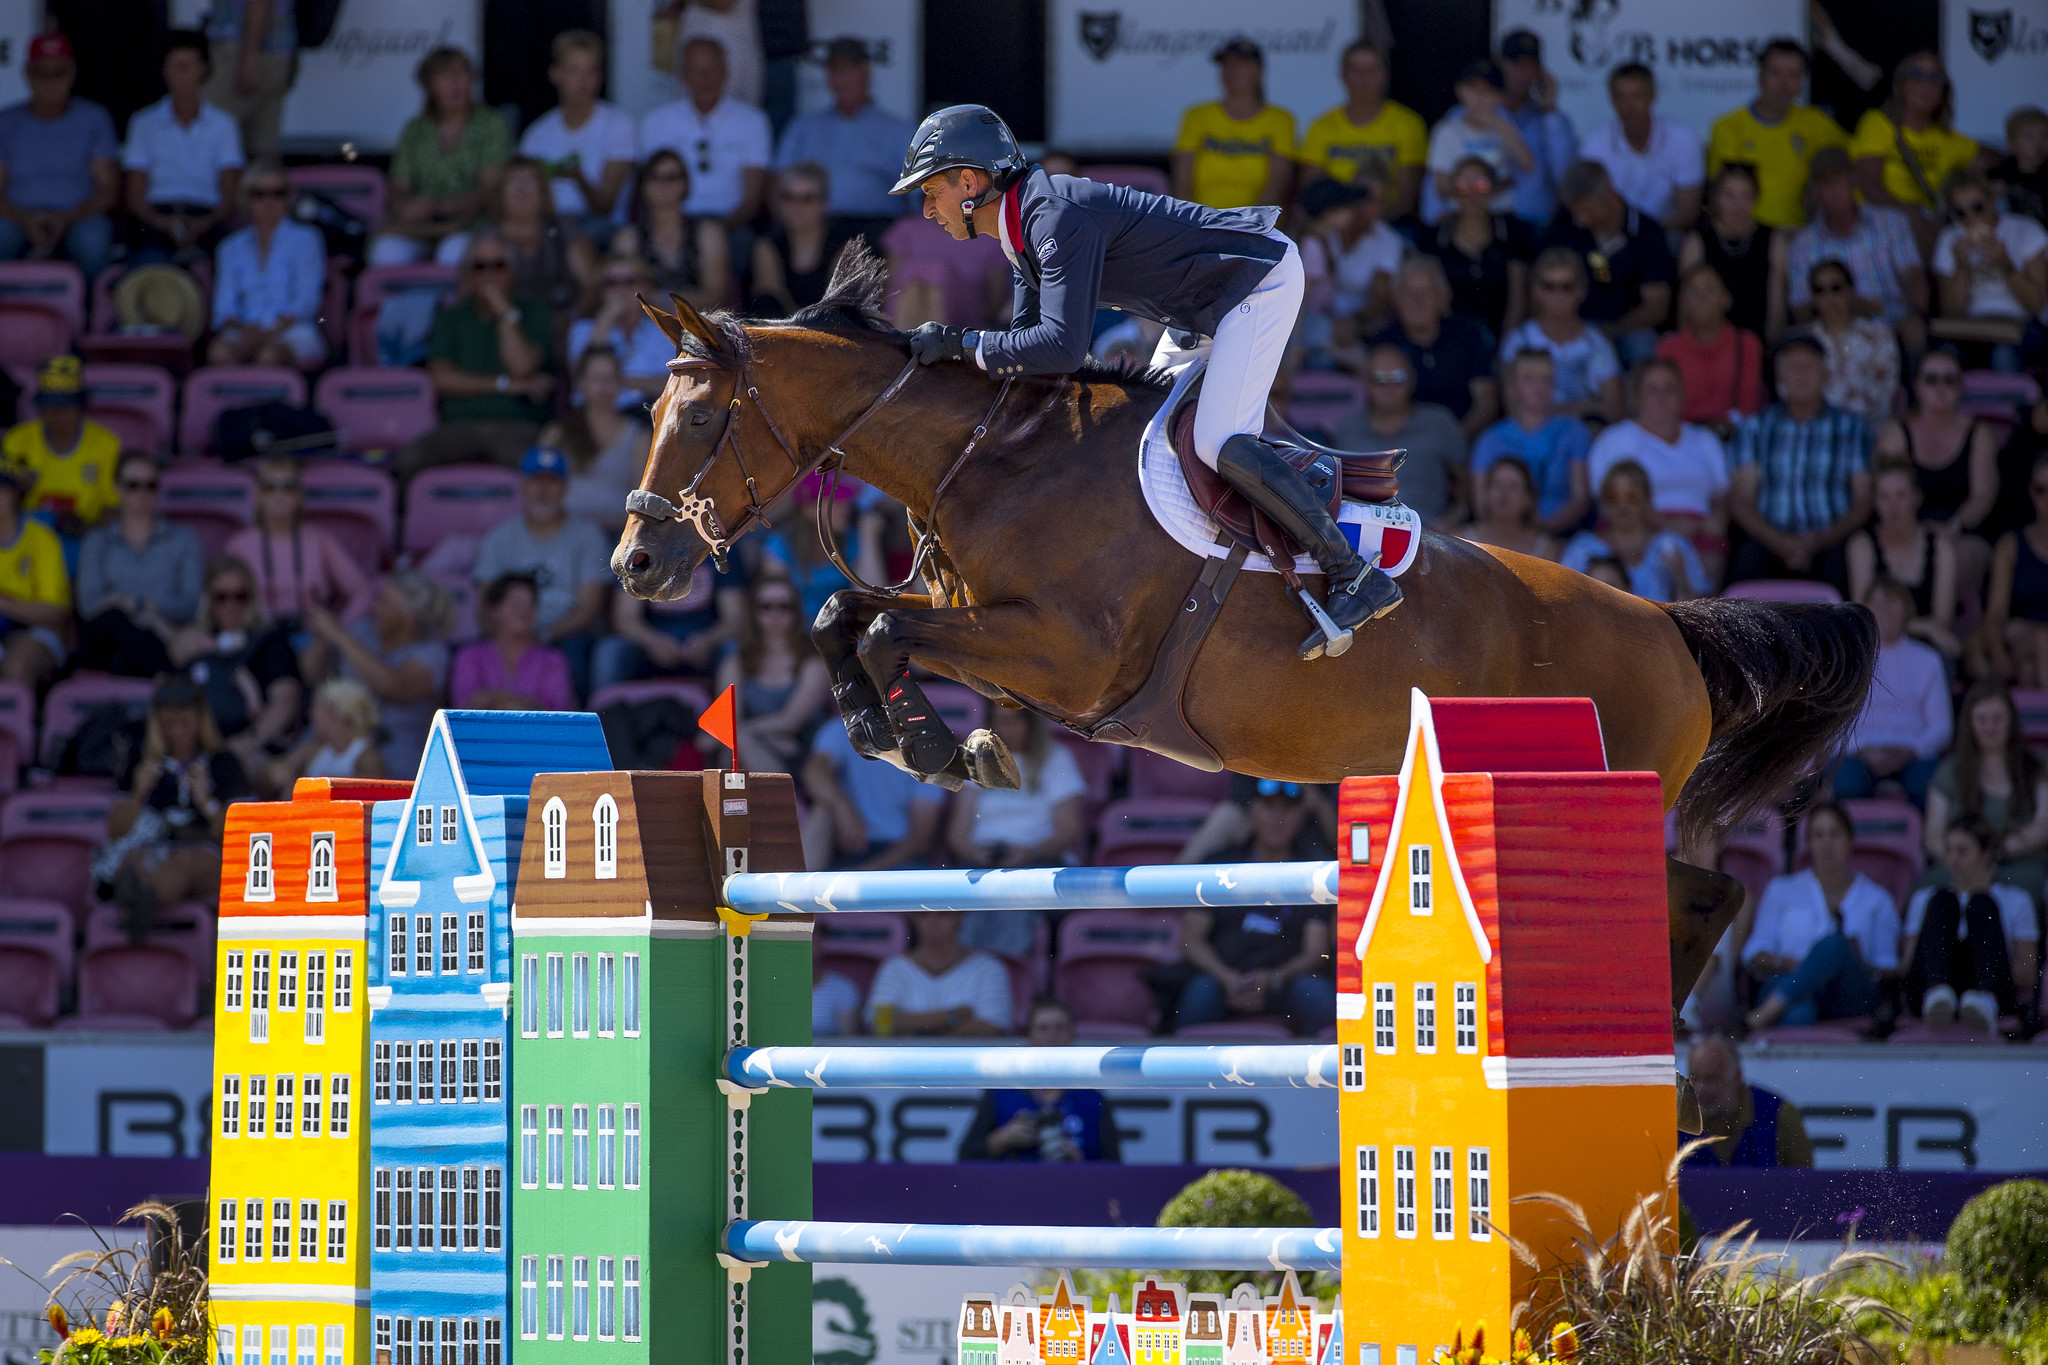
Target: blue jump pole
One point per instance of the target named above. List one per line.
(1296, 1066)
(1300, 1249)
(1166, 887)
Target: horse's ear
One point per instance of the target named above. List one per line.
(693, 322)
(671, 326)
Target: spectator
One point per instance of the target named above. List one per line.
(551, 260)
(567, 559)
(244, 662)
(297, 566)
(1551, 443)
(1862, 352)
(35, 591)
(782, 683)
(1348, 257)
(865, 815)
(1900, 548)
(1973, 947)
(1265, 959)
(801, 556)
(1662, 565)
(1954, 457)
(59, 171)
(671, 639)
(510, 669)
(1037, 825)
(1583, 364)
(165, 845)
(933, 278)
(487, 356)
(940, 988)
(1368, 131)
(339, 740)
(734, 28)
(1530, 103)
(1991, 267)
(399, 656)
(1227, 829)
(1777, 135)
(1237, 150)
(254, 59)
(1611, 571)
(1043, 1125)
(1994, 775)
(1478, 127)
(1722, 364)
(1905, 723)
(1485, 254)
(1505, 511)
(857, 138)
(1453, 355)
(793, 260)
(2022, 174)
(1907, 150)
(1823, 937)
(1655, 164)
(684, 254)
(68, 457)
(1750, 1126)
(1875, 246)
(2012, 642)
(445, 169)
(138, 579)
(183, 159)
(269, 283)
(835, 1004)
(605, 439)
(585, 144)
(728, 138)
(1687, 469)
(1799, 477)
(617, 323)
(1433, 475)
(1628, 262)
(1747, 254)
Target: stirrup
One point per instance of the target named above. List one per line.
(1329, 638)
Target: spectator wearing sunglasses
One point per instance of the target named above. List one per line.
(245, 664)
(1874, 243)
(138, 579)
(269, 280)
(726, 144)
(1433, 476)
(1991, 266)
(1906, 150)
(615, 320)
(684, 253)
(862, 143)
(793, 260)
(1863, 353)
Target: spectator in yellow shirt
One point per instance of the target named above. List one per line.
(35, 592)
(1907, 149)
(70, 459)
(1368, 130)
(1239, 150)
(1777, 135)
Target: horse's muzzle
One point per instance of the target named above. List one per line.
(656, 559)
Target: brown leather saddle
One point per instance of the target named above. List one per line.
(1336, 474)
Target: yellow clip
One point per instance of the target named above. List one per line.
(737, 924)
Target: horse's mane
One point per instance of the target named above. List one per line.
(855, 301)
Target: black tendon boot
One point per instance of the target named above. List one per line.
(1355, 589)
(928, 743)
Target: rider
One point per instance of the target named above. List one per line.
(1075, 245)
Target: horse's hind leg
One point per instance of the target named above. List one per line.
(836, 633)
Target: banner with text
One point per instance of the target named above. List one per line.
(1997, 55)
(1704, 55)
(358, 87)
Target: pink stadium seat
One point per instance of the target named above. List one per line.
(1833, 1033)
(71, 701)
(1097, 969)
(56, 285)
(1320, 401)
(1782, 590)
(1147, 829)
(376, 407)
(2033, 708)
(1999, 397)
(135, 989)
(214, 500)
(35, 959)
(357, 188)
(856, 946)
(188, 928)
(464, 499)
(213, 389)
(1150, 179)
(1157, 775)
(17, 731)
(46, 845)
(356, 504)
(1888, 844)
(30, 334)
(689, 695)
(134, 430)
(962, 708)
(1263, 1028)
(379, 282)
(145, 389)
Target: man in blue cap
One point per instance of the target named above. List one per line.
(569, 558)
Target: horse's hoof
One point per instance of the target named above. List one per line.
(989, 763)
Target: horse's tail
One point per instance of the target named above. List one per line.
(1786, 682)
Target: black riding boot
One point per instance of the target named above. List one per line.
(1354, 588)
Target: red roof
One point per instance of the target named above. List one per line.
(1519, 735)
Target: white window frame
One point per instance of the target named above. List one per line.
(337, 1231)
(1404, 1192)
(259, 1105)
(398, 946)
(309, 1230)
(579, 1298)
(226, 1229)
(472, 1069)
(451, 1075)
(1366, 1167)
(604, 820)
(423, 825)
(1479, 1193)
(529, 1146)
(252, 1346)
(233, 979)
(629, 1300)
(312, 1104)
(423, 945)
(556, 1318)
(579, 995)
(402, 1075)
(554, 826)
(629, 1160)
(338, 1097)
(1385, 1034)
(476, 961)
(494, 1208)
(1465, 1016)
(259, 883)
(403, 1220)
(321, 876)
(451, 945)
(607, 1146)
(557, 1157)
(451, 1208)
(341, 993)
(259, 996)
(309, 1344)
(494, 1070)
(607, 987)
(380, 1208)
(253, 1241)
(579, 1147)
(316, 998)
(529, 1298)
(1443, 1194)
(629, 996)
(557, 1006)
(224, 1346)
(284, 1108)
(337, 1344)
(451, 824)
(1421, 880)
(529, 995)
(280, 1345)
(494, 1341)
(380, 1073)
(1351, 1066)
(472, 1208)
(287, 981)
(1425, 1017)
(230, 1105)
(607, 1298)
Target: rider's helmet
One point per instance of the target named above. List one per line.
(963, 135)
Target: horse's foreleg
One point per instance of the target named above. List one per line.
(837, 633)
(958, 639)
(1700, 905)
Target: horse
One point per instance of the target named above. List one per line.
(1048, 584)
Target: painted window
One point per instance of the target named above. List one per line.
(280, 1346)
(629, 1006)
(1404, 1191)
(579, 1132)
(257, 885)
(554, 824)
(380, 1073)
(472, 1208)
(252, 1229)
(529, 1146)
(1442, 1185)
(423, 1207)
(554, 1146)
(259, 1107)
(472, 1069)
(1425, 1016)
(1418, 879)
(555, 1268)
(309, 1229)
(308, 1344)
(469, 1339)
(494, 1208)
(451, 1208)
(604, 817)
(529, 1298)
(404, 1179)
(449, 1335)
(402, 1074)
(554, 995)
(231, 986)
(451, 1087)
(337, 1230)
(630, 1174)
(423, 1056)
(343, 998)
(579, 1002)
(404, 1356)
(494, 1342)
(252, 1346)
(1368, 1191)
(381, 1335)
(259, 996)
(607, 1146)
(423, 945)
(337, 1343)
(285, 1112)
(287, 983)
(494, 1070)
(579, 1271)
(607, 995)
(224, 1346)
(395, 954)
(474, 962)
(424, 1327)
(1383, 1018)
(423, 825)
(607, 1294)
(1465, 1016)
(450, 820)
(1351, 1066)
(629, 1323)
(451, 945)
(320, 883)
(1479, 1192)
(316, 997)
(224, 1235)
(529, 995)
(337, 1104)
(230, 1106)
(380, 1208)
(311, 1111)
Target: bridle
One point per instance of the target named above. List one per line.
(702, 513)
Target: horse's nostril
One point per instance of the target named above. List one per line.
(639, 561)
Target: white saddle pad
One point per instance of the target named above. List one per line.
(1391, 529)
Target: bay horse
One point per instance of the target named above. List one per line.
(1053, 585)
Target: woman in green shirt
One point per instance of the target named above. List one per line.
(446, 168)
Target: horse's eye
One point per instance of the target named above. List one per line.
(698, 417)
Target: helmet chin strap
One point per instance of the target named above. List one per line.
(968, 207)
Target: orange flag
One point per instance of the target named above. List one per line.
(721, 721)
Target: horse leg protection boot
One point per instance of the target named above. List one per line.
(860, 706)
(927, 741)
(1355, 589)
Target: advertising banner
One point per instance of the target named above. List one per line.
(1997, 55)
(358, 87)
(20, 20)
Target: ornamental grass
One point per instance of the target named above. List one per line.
(143, 1304)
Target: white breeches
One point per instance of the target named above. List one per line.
(1244, 357)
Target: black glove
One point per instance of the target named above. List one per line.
(932, 342)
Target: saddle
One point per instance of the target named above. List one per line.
(1335, 474)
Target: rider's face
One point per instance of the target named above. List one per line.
(946, 196)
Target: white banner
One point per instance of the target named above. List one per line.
(127, 1094)
(20, 20)
(1704, 55)
(895, 1315)
(358, 87)
(1120, 76)
(1997, 55)
(894, 30)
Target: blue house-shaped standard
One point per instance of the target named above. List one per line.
(442, 866)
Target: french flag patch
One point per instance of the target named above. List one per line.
(1392, 529)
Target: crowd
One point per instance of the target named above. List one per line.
(1679, 360)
